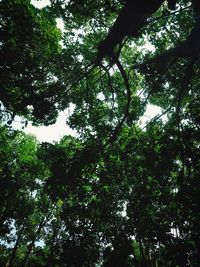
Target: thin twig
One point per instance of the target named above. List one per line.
(184, 86)
(167, 15)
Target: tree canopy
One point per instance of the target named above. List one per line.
(119, 194)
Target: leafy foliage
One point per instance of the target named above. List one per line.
(118, 194)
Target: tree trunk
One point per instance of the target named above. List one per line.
(51, 256)
(42, 223)
(14, 250)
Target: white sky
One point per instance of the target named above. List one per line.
(47, 133)
(151, 112)
(56, 131)
(40, 3)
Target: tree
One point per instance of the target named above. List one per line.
(119, 194)
(29, 51)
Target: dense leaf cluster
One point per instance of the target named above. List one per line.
(118, 194)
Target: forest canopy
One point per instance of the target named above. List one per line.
(118, 194)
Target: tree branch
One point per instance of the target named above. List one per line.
(128, 96)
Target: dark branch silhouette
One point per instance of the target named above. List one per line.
(131, 19)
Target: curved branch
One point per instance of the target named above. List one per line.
(110, 83)
(128, 96)
(190, 48)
